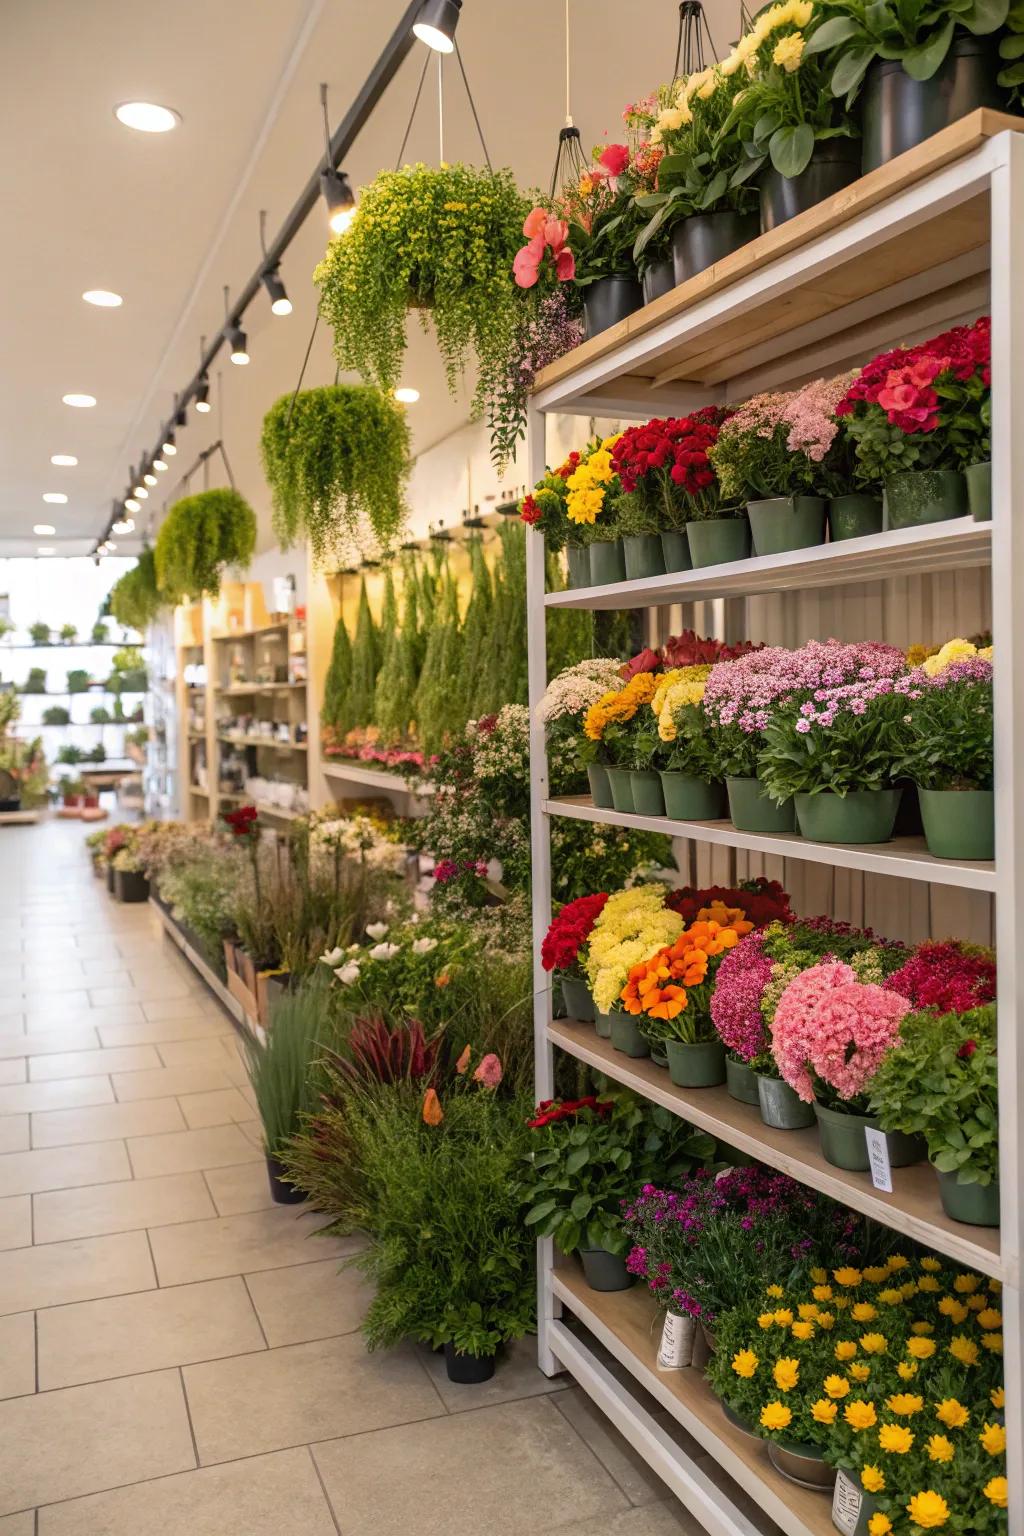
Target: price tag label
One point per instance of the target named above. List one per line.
(846, 1503)
(676, 1349)
(878, 1158)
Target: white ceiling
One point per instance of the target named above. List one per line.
(165, 220)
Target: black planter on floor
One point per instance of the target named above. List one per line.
(130, 885)
(610, 300)
(467, 1370)
(900, 112)
(281, 1191)
(833, 165)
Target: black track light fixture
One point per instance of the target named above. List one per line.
(234, 335)
(180, 418)
(334, 184)
(169, 446)
(203, 395)
(270, 277)
(435, 25)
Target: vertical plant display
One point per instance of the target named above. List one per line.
(365, 663)
(436, 700)
(337, 712)
(394, 704)
(478, 637)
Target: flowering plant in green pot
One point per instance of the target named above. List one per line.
(948, 752)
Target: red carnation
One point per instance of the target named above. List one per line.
(967, 1050)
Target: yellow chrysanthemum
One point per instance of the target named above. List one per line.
(745, 1363)
(802, 1331)
(786, 1373)
(998, 1397)
(931, 1265)
(824, 1412)
(952, 1413)
(906, 1404)
(775, 1292)
(788, 52)
(966, 1285)
(822, 1293)
(953, 650)
(964, 1350)
(928, 1510)
(840, 1303)
(997, 1491)
(993, 1439)
(819, 1275)
(993, 1342)
(766, 1320)
(845, 1349)
(891, 1296)
(940, 1448)
(826, 1320)
(978, 1303)
(847, 1276)
(879, 1524)
(921, 1329)
(860, 1415)
(950, 1307)
(928, 1284)
(775, 1416)
(872, 1479)
(859, 1372)
(906, 1370)
(873, 1343)
(921, 1349)
(864, 1312)
(836, 1386)
(895, 1438)
(807, 1312)
(896, 1261)
(784, 1317)
(876, 1274)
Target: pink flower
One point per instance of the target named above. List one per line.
(740, 981)
(526, 266)
(543, 232)
(535, 222)
(614, 158)
(829, 1024)
(489, 1071)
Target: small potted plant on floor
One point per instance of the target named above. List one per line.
(563, 709)
(949, 750)
(562, 951)
(281, 1070)
(130, 883)
(667, 480)
(632, 925)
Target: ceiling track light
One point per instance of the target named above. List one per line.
(159, 463)
(124, 525)
(234, 335)
(435, 25)
(131, 505)
(169, 445)
(334, 184)
(270, 277)
(149, 477)
(180, 417)
(202, 401)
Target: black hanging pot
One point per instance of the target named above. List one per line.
(704, 238)
(282, 1192)
(658, 277)
(832, 166)
(609, 300)
(467, 1369)
(900, 112)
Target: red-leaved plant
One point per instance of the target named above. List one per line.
(378, 1053)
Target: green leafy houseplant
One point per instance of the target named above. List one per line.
(442, 241)
(199, 538)
(98, 634)
(835, 750)
(135, 598)
(281, 1068)
(917, 33)
(39, 633)
(68, 634)
(100, 715)
(78, 680)
(36, 681)
(336, 459)
(56, 715)
(950, 735)
(70, 754)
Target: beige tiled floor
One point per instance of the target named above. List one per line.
(180, 1357)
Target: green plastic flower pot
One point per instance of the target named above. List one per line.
(578, 558)
(862, 816)
(648, 799)
(578, 1001)
(689, 799)
(602, 1024)
(854, 517)
(786, 522)
(741, 1080)
(626, 1037)
(844, 1146)
(780, 1105)
(751, 810)
(604, 1271)
(719, 542)
(607, 563)
(959, 823)
(675, 550)
(659, 1055)
(975, 1204)
(600, 788)
(696, 1066)
(979, 491)
(919, 496)
(621, 781)
(643, 556)
(803, 1464)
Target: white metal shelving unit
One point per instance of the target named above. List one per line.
(933, 238)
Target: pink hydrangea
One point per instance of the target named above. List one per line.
(736, 1001)
(830, 1024)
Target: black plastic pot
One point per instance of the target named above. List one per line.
(610, 300)
(467, 1370)
(110, 878)
(704, 238)
(658, 278)
(130, 885)
(900, 112)
(282, 1193)
(833, 165)
(604, 1271)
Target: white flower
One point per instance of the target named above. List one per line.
(347, 974)
(384, 951)
(423, 946)
(333, 957)
(353, 949)
(376, 930)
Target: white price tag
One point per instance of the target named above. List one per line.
(676, 1348)
(846, 1503)
(878, 1158)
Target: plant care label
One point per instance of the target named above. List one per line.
(846, 1503)
(676, 1348)
(878, 1157)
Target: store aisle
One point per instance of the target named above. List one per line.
(178, 1356)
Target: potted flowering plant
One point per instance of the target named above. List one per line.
(562, 710)
(544, 508)
(631, 927)
(690, 784)
(667, 480)
(623, 729)
(130, 883)
(592, 493)
(949, 750)
(946, 976)
(588, 1155)
(597, 211)
(562, 948)
(739, 697)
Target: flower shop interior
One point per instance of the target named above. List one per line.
(500, 1028)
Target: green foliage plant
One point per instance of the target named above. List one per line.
(98, 635)
(437, 712)
(200, 537)
(78, 680)
(36, 681)
(70, 754)
(68, 634)
(100, 715)
(917, 33)
(39, 633)
(336, 460)
(337, 707)
(281, 1068)
(394, 700)
(856, 751)
(1011, 53)
(56, 715)
(365, 662)
(135, 598)
(950, 731)
(438, 240)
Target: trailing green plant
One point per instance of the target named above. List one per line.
(282, 1067)
(56, 715)
(365, 662)
(39, 633)
(78, 680)
(199, 538)
(136, 598)
(439, 240)
(336, 459)
(337, 706)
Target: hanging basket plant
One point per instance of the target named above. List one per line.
(441, 241)
(136, 598)
(200, 537)
(336, 460)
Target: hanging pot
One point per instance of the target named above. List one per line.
(803, 1464)
(718, 542)
(627, 1038)
(282, 1192)
(699, 1065)
(648, 799)
(689, 799)
(704, 238)
(959, 823)
(609, 300)
(979, 491)
(861, 816)
(643, 556)
(467, 1370)
(740, 1080)
(832, 166)
(975, 1204)
(780, 1105)
(855, 516)
(578, 558)
(658, 277)
(600, 787)
(621, 782)
(675, 549)
(751, 810)
(918, 496)
(786, 522)
(604, 1271)
(578, 1001)
(607, 562)
(900, 112)
(602, 1024)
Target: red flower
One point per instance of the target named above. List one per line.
(243, 820)
(763, 901)
(529, 510)
(614, 158)
(644, 661)
(551, 1111)
(967, 1050)
(569, 931)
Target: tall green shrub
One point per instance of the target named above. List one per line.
(365, 662)
(394, 703)
(337, 707)
(437, 696)
(478, 637)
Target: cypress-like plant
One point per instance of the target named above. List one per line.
(437, 703)
(365, 662)
(399, 672)
(337, 710)
(478, 637)
(506, 679)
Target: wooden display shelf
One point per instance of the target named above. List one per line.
(245, 690)
(904, 857)
(913, 1208)
(248, 634)
(258, 741)
(266, 809)
(378, 778)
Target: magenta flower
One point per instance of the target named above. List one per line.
(740, 981)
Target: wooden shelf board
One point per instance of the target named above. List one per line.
(244, 690)
(194, 789)
(950, 546)
(379, 778)
(266, 809)
(913, 1208)
(256, 741)
(248, 634)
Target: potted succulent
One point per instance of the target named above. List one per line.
(562, 948)
(690, 782)
(633, 925)
(667, 480)
(282, 1072)
(948, 752)
(563, 709)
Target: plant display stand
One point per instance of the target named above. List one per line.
(927, 241)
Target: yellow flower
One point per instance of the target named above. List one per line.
(788, 52)
(872, 1479)
(998, 1397)
(822, 1293)
(920, 1329)
(995, 1287)
(993, 1342)
(952, 1413)
(807, 1311)
(876, 1274)
(993, 1439)
(783, 1317)
(939, 1448)
(928, 1510)
(786, 1373)
(896, 1438)
(824, 1412)
(745, 1363)
(861, 1415)
(836, 1386)
(964, 1350)
(932, 1265)
(977, 1303)
(819, 1275)
(775, 1416)
(840, 1303)
(776, 1292)
(845, 1349)
(873, 1343)
(847, 1276)
(891, 1296)
(904, 1403)
(966, 1285)
(896, 1261)
(997, 1491)
(859, 1372)
(586, 186)
(802, 1331)
(928, 1283)
(950, 1307)
(906, 1370)
(864, 1312)
(908, 1290)
(921, 1349)
(953, 650)
(825, 1320)
(766, 1319)
(879, 1524)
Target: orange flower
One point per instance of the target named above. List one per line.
(433, 1114)
(463, 1061)
(658, 986)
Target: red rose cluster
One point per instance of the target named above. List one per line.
(763, 901)
(570, 931)
(679, 445)
(243, 821)
(550, 1111)
(902, 382)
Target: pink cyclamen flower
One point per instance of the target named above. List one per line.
(830, 1024)
(489, 1071)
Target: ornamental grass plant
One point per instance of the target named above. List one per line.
(282, 1067)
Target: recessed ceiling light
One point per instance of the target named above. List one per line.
(147, 117)
(407, 396)
(44, 530)
(55, 498)
(63, 460)
(82, 402)
(102, 298)
(44, 549)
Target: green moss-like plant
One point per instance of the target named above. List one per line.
(39, 633)
(337, 457)
(200, 537)
(135, 598)
(337, 713)
(365, 663)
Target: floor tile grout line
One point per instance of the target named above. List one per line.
(35, 1342)
(566, 1420)
(188, 1415)
(323, 1488)
(256, 1311)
